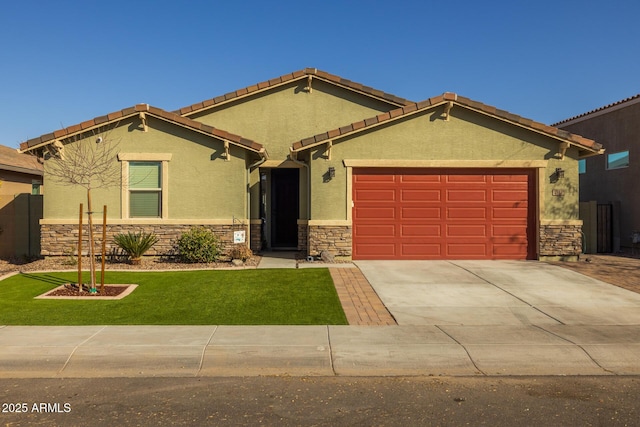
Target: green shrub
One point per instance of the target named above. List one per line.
(199, 245)
(135, 244)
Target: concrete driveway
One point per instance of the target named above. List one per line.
(483, 293)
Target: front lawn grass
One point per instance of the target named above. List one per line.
(241, 297)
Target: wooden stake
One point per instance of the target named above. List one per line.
(104, 246)
(80, 251)
(92, 248)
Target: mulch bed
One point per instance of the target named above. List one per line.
(71, 290)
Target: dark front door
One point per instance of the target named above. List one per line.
(284, 208)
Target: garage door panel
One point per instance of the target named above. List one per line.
(462, 230)
(466, 213)
(420, 178)
(464, 250)
(466, 178)
(384, 231)
(514, 230)
(499, 178)
(509, 250)
(443, 214)
(374, 212)
(376, 194)
(500, 195)
(409, 230)
(429, 250)
(375, 178)
(419, 213)
(416, 195)
(377, 250)
(466, 195)
(510, 212)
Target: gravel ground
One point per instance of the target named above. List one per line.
(64, 263)
(622, 269)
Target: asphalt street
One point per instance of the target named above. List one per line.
(322, 401)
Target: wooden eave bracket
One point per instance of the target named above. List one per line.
(309, 88)
(447, 110)
(56, 149)
(226, 155)
(327, 152)
(562, 150)
(143, 119)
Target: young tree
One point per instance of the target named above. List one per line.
(88, 160)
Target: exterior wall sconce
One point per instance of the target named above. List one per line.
(559, 173)
(332, 172)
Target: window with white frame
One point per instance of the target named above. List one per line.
(618, 160)
(145, 180)
(145, 189)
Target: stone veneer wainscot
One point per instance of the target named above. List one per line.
(336, 239)
(62, 239)
(561, 240)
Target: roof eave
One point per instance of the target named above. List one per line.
(19, 169)
(448, 98)
(145, 109)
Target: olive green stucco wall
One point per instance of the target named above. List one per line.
(277, 118)
(202, 185)
(466, 136)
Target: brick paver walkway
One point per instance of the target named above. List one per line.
(360, 303)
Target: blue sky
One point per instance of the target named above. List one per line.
(64, 62)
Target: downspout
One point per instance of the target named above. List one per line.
(293, 156)
(263, 158)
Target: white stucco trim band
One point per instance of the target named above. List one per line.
(560, 222)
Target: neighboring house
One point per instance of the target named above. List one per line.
(20, 203)
(609, 184)
(324, 163)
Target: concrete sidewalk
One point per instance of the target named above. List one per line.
(187, 351)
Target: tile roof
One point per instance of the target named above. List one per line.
(133, 111)
(600, 109)
(11, 159)
(413, 108)
(287, 78)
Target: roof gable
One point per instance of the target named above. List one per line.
(142, 110)
(307, 74)
(450, 100)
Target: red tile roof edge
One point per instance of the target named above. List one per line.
(462, 101)
(605, 107)
(131, 111)
(287, 78)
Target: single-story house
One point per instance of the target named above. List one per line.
(21, 189)
(314, 162)
(610, 203)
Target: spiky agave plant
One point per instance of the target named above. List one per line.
(135, 244)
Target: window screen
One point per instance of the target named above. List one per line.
(145, 192)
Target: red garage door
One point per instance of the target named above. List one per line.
(443, 214)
